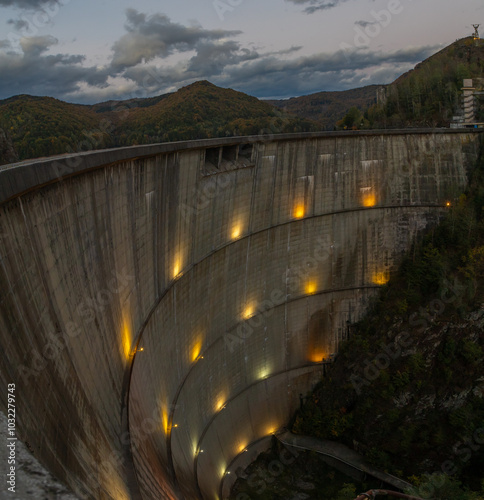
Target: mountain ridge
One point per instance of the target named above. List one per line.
(426, 96)
(327, 107)
(34, 126)
(429, 95)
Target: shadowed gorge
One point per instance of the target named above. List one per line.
(163, 306)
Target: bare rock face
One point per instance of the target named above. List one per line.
(7, 151)
(31, 480)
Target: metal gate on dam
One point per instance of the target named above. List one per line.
(163, 306)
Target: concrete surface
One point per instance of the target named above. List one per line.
(235, 264)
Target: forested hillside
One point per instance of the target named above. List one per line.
(327, 108)
(427, 96)
(203, 110)
(33, 127)
(43, 126)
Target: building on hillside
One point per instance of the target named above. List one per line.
(472, 90)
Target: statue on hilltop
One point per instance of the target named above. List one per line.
(476, 31)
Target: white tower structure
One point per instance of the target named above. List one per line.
(468, 101)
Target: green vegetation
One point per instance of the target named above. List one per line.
(327, 108)
(353, 120)
(429, 95)
(203, 110)
(42, 126)
(280, 474)
(439, 486)
(408, 387)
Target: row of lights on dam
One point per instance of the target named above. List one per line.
(225, 471)
(316, 356)
(368, 199)
(310, 288)
(219, 406)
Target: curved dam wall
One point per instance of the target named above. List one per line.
(162, 307)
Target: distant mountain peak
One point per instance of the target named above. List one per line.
(202, 83)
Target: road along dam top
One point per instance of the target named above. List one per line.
(163, 306)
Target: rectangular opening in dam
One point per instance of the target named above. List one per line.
(230, 153)
(246, 155)
(212, 160)
(227, 158)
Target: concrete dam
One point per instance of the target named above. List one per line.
(164, 306)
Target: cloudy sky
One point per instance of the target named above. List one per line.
(89, 51)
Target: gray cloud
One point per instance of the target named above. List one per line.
(317, 5)
(34, 46)
(270, 77)
(136, 70)
(157, 36)
(26, 4)
(267, 75)
(211, 59)
(290, 50)
(365, 24)
(35, 72)
(19, 24)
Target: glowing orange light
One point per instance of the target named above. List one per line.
(317, 356)
(299, 212)
(248, 312)
(220, 403)
(126, 337)
(311, 287)
(196, 349)
(176, 269)
(164, 420)
(448, 204)
(236, 232)
(380, 278)
(242, 448)
(369, 200)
